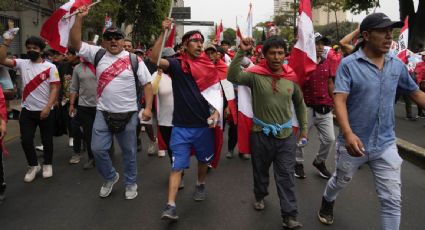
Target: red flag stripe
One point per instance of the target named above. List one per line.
(35, 82)
(111, 73)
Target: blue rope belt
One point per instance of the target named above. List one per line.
(273, 128)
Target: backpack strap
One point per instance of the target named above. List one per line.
(99, 55)
(135, 66)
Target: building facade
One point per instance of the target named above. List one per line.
(320, 15)
(29, 16)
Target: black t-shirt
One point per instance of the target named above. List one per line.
(191, 110)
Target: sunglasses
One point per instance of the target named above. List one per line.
(114, 36)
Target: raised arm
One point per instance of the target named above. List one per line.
(3, 53)
(156, 49)
(75, 33)
(346, 47)
(235, 73)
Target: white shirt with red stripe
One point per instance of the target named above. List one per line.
(38, 97)
(119, 95)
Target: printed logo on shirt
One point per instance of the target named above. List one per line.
(43, 76)
(56, 75)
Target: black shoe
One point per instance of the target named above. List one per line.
(299, 171)
(323, 171)
(411, 118)
(290, 222)
(89, 164)
(169, 213)
(326, 213)
(200, 193)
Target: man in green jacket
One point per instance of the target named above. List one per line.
(273, 88)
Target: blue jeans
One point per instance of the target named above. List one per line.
(386, 169)
(101, 143)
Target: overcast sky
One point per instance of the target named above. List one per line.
(229, 10)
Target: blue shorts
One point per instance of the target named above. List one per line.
(183, 140)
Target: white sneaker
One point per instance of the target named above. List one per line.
(75, 159)
(31, 173)
(71, 142)
(152, 147)
(39, 148)
(47, 171)
(161, 153)
(130, 191)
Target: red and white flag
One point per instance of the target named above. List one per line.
(238, 36)
(403, 41)
(108, 23)
(171, 37)
(303, 56)
(219, 33)
(56, 29)
(249, 22)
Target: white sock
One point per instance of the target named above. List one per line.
(172, 204)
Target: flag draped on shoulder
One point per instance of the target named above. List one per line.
(245, 111)
(303, 56)
(206, 76)
(403, 40)
(56, 29)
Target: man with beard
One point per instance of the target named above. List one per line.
(41, 86)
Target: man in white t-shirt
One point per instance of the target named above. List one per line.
(116, 95)
(40, 90)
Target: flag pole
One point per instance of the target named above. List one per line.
(165, 34)
(78, 11)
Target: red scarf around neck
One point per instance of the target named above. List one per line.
(203, 71)
(263, 69)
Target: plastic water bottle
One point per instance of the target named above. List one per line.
(302, 143)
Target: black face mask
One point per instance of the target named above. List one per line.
(33, 55)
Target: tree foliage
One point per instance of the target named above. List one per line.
(146, 16)
(95, 20)
(330, 32)
(230, 35)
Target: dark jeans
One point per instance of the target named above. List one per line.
(86, 116)
(407, 103)
(281, 152)
(232, 137)
(166, 134)
(28, 122)
(76, 133)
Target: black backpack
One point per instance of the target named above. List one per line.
(134, 66)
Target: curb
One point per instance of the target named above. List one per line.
(411, 152)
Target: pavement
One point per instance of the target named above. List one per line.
(69, 200)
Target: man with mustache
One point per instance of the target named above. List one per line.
(116, 115)
(365, 88)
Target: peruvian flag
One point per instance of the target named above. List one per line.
(249, 21)
(171, 37)
(403, 40)
(56, 29)
(108, 22)
(219, 33)
(238, 36)
(303, 56)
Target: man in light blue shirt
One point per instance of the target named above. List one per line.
(365, 88)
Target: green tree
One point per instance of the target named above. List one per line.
(330, 32)
(146, 17)
(230, 35)
(416, 18)
(95, 21)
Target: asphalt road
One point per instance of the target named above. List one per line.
(69, 200)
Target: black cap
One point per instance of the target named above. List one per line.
(378, 21)
(320, 37)
(113, 30)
